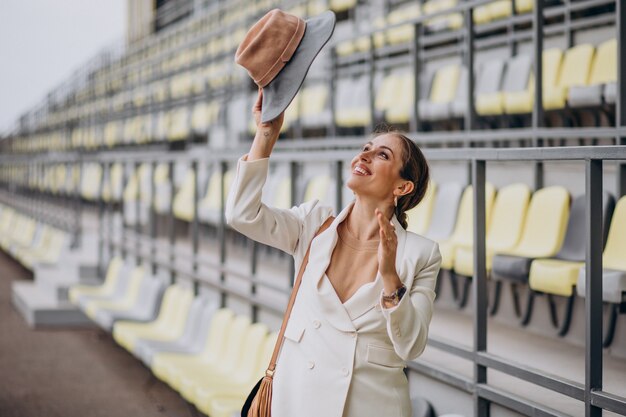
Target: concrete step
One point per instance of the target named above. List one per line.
(40, 310)
(56, 282)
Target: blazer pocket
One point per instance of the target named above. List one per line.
(384, 356)
(294, 331)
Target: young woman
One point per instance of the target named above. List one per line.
(366, 298)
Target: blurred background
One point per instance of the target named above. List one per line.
(124, 291)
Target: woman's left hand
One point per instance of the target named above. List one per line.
(387, 246)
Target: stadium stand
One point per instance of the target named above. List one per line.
(97, 194)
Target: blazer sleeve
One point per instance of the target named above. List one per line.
(246, 213)
(407, 323)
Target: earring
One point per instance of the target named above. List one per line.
(395, 201)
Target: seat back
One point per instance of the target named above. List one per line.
(574, 242)
(317, 188)
(401, 107)
(215, 343)
(613, 256)
(545, 223)
(464, 229)
(490, 77)
(509, 213)
(552, 59)
(234, 343)
(314, 100)
(267, 350)
(444, 84)
(183, 200)
(418, 218)
(445, 211)
(175, 322)
(604, 68)
(517, 73)
(251, 352)
(576, 66)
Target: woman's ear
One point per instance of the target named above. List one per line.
(406, 188)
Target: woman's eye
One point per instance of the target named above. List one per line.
(384, 154)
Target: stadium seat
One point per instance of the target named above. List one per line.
(400, 108)
(142, 308)
(229, 358)
(442, 92)
(505, 228)
(168, 326)
(500, 9)
(418, 218)
(421, 407)
(315, 108)
(573, 72)
(318, 187)
(488, 85)
(209, 206)
(203, 116)
(341, 5)
(443, 22)
(191, 341)
(558, 275)
(183, 200)
(522, 101)
(614, 269)
(403, 33)
(445, 211)
(352, 102)
(463, 235)
(178, 124)
(171, 366)
(225, 399)
(603, 74)
(516, 78)
(107, 288)
(121, 299)
(542, 237)
(162, 196)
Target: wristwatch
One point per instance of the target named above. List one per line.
(395, 296)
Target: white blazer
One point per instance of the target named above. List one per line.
(338, 359)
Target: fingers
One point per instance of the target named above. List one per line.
(387, 229)
(259, 101)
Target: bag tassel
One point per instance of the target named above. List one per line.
(262, 403)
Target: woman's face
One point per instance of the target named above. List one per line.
(375, 171)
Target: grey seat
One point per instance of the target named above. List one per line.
(120, 288)
(145, 308)
(194, 335)
(610, 92)
(458, 107)
(445, 210)
(585, 96)
(517, 73)
(421, 408)
(490, 75)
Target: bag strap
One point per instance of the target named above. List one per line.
(292, 299)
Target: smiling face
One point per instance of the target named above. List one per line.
(375, 171)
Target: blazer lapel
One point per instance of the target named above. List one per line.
(329, 303)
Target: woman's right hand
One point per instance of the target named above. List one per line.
(269, 130)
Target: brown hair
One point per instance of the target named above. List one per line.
(414, 168)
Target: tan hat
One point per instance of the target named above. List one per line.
(277, 53)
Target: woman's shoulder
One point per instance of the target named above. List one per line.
(421, 243)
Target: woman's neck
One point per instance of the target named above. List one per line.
(362, 222)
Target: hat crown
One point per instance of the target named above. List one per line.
(269, 44)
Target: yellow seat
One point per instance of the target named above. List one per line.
(209, 206)
(161, 199)
(314, 105)
(105, 290)
(463, 235)
(505, 228)
(168, 326)
(401, 108)
(317, 188)
(573, 72)
(183, 200)
(178, 126)
(500, 9)
(403, 33)
(204, 115)
(219, 401)
(554, 276)
(518, 102)
(341, 5)
(47, 251)
(544, 228)
(169, 366)
(124, 302)
(243, 374)
(418, 218)
(226, 364)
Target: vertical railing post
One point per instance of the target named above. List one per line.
(537, 115)
(620, 102)
(294, 173)
(78, 214)
(481, 405)
(469, 65)
(195, 224)
(153, 223)
(593, 284)
(171, 223)
(339, 185)
(105, 171)
(332, 93)
(221, 230)
(137, 213)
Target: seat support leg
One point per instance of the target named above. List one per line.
(462, 301)
(528, 312)
(568, 315)
(495, 300)
(515, 296)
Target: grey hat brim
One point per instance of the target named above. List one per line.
(283, 88)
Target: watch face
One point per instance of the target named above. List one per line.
(401, 291)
